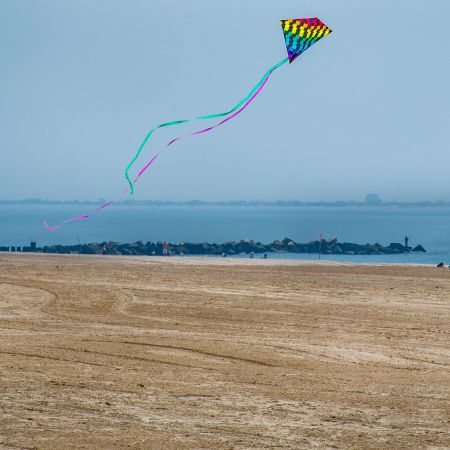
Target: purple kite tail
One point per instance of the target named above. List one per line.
(72, 219)
(152, 160)
(205, 130)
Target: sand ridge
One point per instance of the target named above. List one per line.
(121, 352)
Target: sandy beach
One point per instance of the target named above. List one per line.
(203, 353)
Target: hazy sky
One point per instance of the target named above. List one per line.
(364, 110)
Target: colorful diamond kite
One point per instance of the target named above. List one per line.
(300, 34)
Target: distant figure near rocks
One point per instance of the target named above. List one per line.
(165, 248)
(406, 241)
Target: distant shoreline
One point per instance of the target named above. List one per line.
(215, 260)
(235, 203)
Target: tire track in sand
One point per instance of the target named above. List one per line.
(193, 350)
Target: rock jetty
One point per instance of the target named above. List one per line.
(247, 246)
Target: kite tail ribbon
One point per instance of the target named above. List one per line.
(243, 104)
(57, 227)
(210, 116)
(248, 100)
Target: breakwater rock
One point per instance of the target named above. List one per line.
(326, 247)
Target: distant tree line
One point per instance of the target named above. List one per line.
(371, 199)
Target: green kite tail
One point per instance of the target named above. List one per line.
(210, 116)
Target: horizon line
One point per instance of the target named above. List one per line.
(194, 202)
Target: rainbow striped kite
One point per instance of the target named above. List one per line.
(300, 34)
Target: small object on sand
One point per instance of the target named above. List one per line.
(440, 265)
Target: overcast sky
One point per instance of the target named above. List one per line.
(364, 110)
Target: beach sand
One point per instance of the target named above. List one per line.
(202, 353)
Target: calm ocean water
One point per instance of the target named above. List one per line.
(427, 226)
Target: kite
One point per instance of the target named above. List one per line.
(299, 35)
